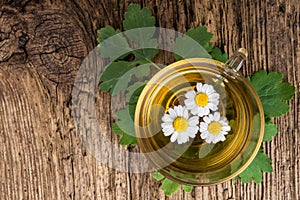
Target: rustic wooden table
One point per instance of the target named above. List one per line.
(42, 44)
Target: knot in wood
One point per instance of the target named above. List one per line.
(13, 33)
(57, 48)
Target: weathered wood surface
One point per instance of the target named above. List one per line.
(42, 44)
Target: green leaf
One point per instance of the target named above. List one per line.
(195, 43)
(136, 17)
(143, 23)
(145, 54)
(133, 92)
(272, 92)
(134, 98)
(131, 108)
(116, 129)
(142, 70)
(106, 32)
(112, 44)
(126, 139)
(217, 54)
(205, 149)
(187, 188)
(126, 122)
(186, 47)
(148, 49)
(158, 176)
(270, 131)
(274, 109)
(261, 163)
(116, 70)
(202, 36)
(116, 77)
(169, 187)
(107, 85)
(260, 78)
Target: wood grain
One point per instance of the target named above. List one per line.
(42, 45)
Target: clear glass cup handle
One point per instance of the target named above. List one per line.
(237, 60)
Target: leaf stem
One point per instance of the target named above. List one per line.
(154, 65)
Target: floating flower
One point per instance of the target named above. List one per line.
(203, 100)
(214, 128)
(178, 124)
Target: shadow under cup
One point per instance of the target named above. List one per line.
(197, 162)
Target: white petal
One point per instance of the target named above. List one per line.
(216, 139)
(208, 140)
(203, 125)
(185, 113)
(217, 116)
(207, 119)
(178, 110)
(201, 111)
(166, 125)
(179, 139)
(185, 138)
(204, 88)
(172, 113)
(194, 111)
(192, 135)
(190, 103)
(210, 90)
(190, 94)
(168, 132)
(225, 119)
(190, 100)
(167, 118)
(222, 138)
(182, 110)
(214, 96)
(205, 135)
(211, 117)
(216, 102)
(182, 138)
(212, 106)
(226, 128)
(205, 110)
(199, 87)
(193, 120)
(203, 129)
(224, 132)
(174, 136)
(192, 130)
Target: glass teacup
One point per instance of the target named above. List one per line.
(198, 162)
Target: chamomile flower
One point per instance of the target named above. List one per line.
(214, 128)
(179, 125)
(201, 101)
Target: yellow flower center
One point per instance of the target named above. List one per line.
(201, 99)
(180, 124)
(214, 128)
